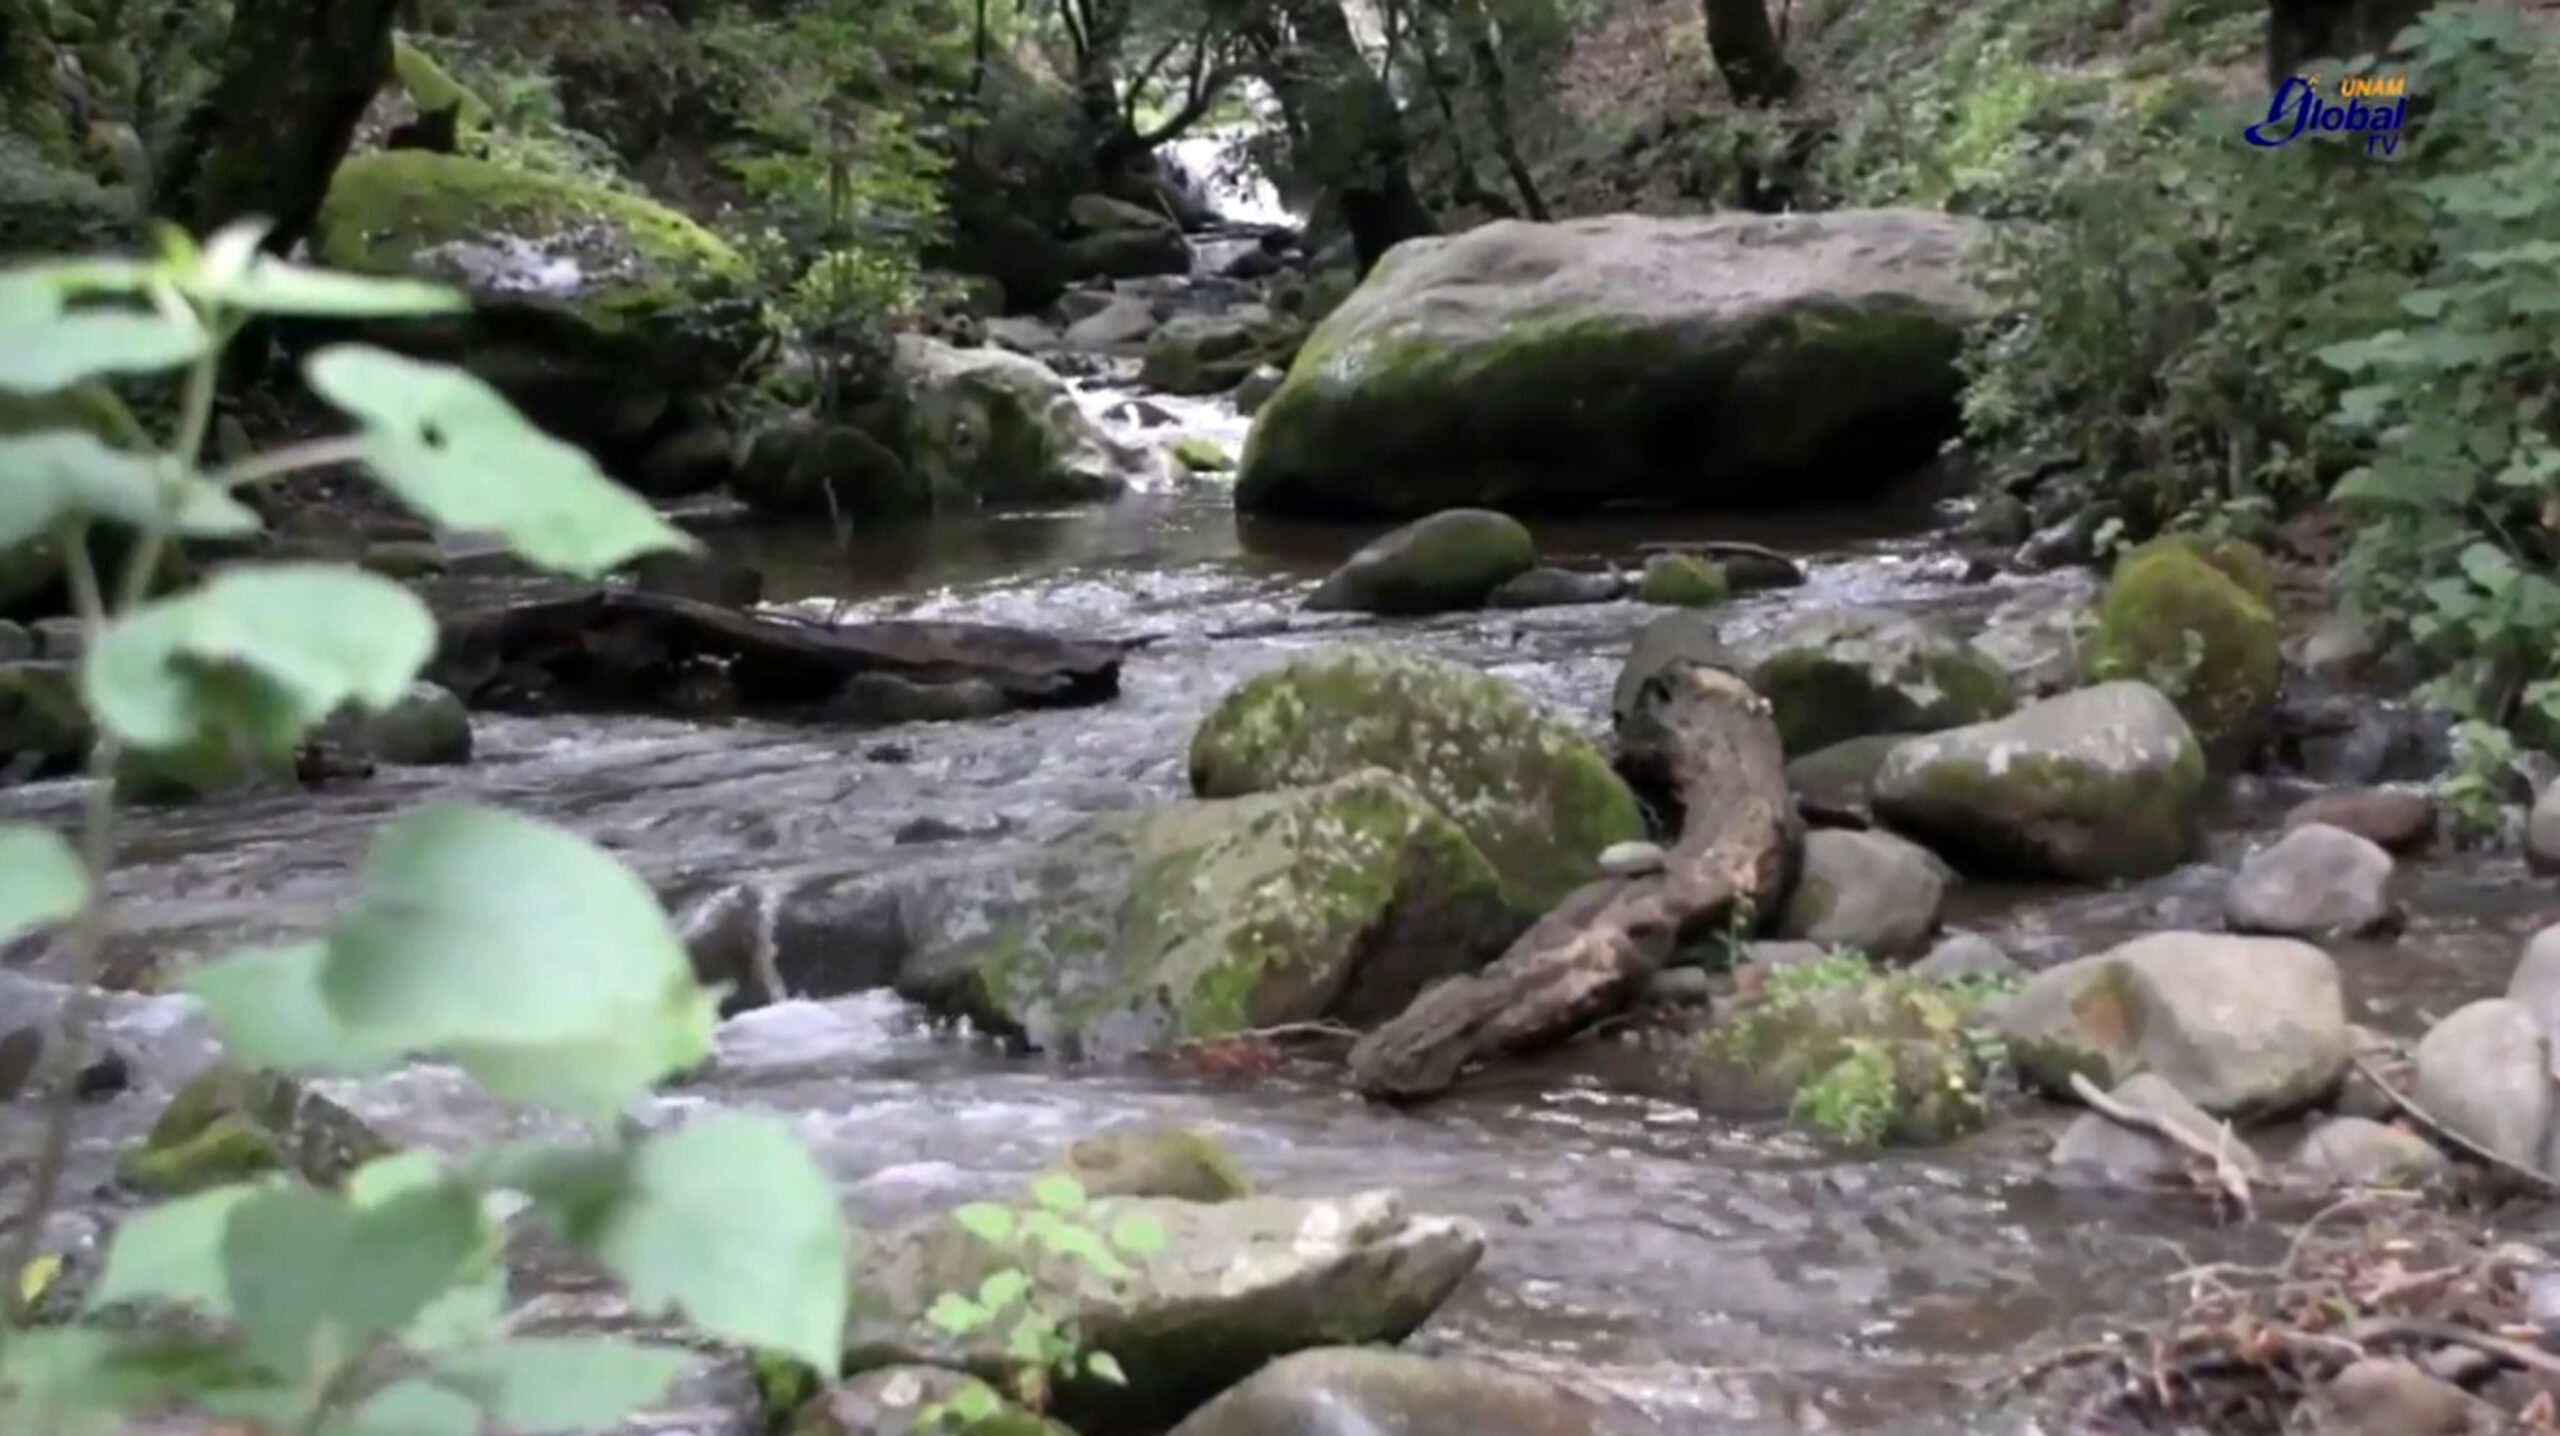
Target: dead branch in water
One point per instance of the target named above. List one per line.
(2437, 1132)
(1585, 960)
(2227, 1176)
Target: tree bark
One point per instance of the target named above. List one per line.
(1585, 960)
(1354, 131)
(1493, 87)
(2299, 31)
(1747, 52)
(294, 78)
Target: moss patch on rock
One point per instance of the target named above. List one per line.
(1681, 580)
(2195, 621)
(1538, 798)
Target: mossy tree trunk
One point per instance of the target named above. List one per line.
(291, 82)
(1355, 143)
(1747, 51)
(30, 107)
(2299, 31)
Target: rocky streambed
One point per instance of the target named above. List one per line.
(1717, 1273)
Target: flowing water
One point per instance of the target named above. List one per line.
(1731, 1270)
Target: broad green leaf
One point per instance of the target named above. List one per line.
(55, 1375)
(266, 1003)
(1106, 1366)
(728, 1220)
(42, 881)
(1003, 1288)
(456, 451)
(288, 1255)
(956, 1314)
(261, 652)
(1058, 1192)
(991, 1220)
(53, 345)
(461, 902)
(1138, 1234)
(36, 1278)
(53, 475)
(410, 1408)
(473, 1311)
(976, 1402)
(1028, 1341)
(173, 1252)
(237, 274)
(563, 1383)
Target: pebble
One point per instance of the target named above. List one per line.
(1630, 860)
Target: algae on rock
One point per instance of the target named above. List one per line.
(1854, 672)
(2197, 622)
(1537, 797)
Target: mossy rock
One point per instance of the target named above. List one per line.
(994, 427)
(1538, 797)
(807, 468)
(1891, 1059)
(1680, 580)
(2195, 622)
(227, 1123)
(1199, 920)
(1156, 1162)
(1204, 354)
(1854, 672)
(433, 90)
(1202, 455)
(1452, 560)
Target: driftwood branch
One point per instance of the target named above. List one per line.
(1585, 960)
(2443, 1135)
(2233, 1182)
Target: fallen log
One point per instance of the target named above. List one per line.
(1586, 960)
(618, 648)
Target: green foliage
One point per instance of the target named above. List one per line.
(311, 1292)
(1866, 1056)
(1042, 1342)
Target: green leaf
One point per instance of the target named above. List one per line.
(173, 1252)
(1106, 1366)
(261, 653)
(236, 274)
(726, 1219)
(410, 1408)
(54, 475)
(288, 1255)
(1058, 1192)
(956, 1314)
(53, 346)
(267, 1004)
(565, 1383)
(1028, 1341)
(1138, 1234)
(55, 1375)
(459, 902)
(990, 1220)
(1003, 1288)
(456, 451)
(976, 1402)
(42, 881)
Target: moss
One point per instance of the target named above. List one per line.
(433, 90)
(2175, 618)
(634, 257)
(1850, 675)
(2092, 1030)
(226, 1150)
(1157, 1162)
(1874, 1059)
(1680, 580)
(1537, 798)
(2146, 815)
(1202, 455)
(30, 107)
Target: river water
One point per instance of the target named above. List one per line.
(1730, 1271)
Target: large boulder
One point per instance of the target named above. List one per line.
(1454, 559)
(2195, 620)
(1338, 1391)
(2244, 1026)
(1871, 891)
(1234, 1285)
(1729, 360)
(992, 426)
(808, 468)
(1855, 672)
(1536, 795)
(1202, 919)
(1212, 353)
(596, 311)
(2101, 783)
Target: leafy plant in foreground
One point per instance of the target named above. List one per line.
(508, 946)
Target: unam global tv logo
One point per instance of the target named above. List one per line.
(2373, 106)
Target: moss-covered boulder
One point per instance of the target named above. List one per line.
(2195, 620)
(1834, 786)
(44, 727)
(1156, 1162)
(433, 89)
(2244, 1026)
(991, 426)
(1200, 454)
(227, 1124)
(425, 727)
(807, 468)
(1452, 560)
(1535, 794)
(596, 310)
(1682, 580)
(1201, 919)
(1729, 359)
(1862, 1057)
(1232, 1286)
(2097, 784)
(1854, 672)
(1212, 353)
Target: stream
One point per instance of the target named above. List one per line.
(1733, 1270)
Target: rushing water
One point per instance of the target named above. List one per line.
(1733, 1270)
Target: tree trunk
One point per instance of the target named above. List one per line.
(1585, 960)
(1493, 88)
(2299, 31)
(1355, 138)
(293, 79)
(1748, 55)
